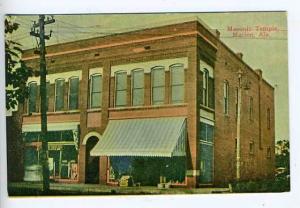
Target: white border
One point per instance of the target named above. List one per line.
(243, 200)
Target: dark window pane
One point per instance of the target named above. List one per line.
(73, 93)
(67, 136)
(59, 94)
(32, 97)
(210, 133)
(54, 136)
(203, 131)
(31, 136)
(211, 93)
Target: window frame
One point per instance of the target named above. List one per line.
(116, 90)
(69, 92)
(172, 68)
(55, 94)
(91, 90)
(226, 97)
(160, 86)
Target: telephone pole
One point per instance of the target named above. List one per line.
(40, 33)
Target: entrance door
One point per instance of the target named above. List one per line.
(91, 163)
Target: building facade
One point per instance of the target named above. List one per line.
(159, 93)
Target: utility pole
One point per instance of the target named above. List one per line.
(43, 71)
(238, 128)
(241, 86)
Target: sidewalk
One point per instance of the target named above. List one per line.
(32, 189)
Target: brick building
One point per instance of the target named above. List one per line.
(163, 92)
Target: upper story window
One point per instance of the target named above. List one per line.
(32, 97)
(96, 91)
(73, 93)
(158, 85)
(177, 83)
(205, 87)
(138, 87)
(251, 108)
(226, 97)
(268, 118)
(121, 89)
(59, 94)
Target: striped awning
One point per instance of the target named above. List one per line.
(155, 137)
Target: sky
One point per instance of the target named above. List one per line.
(260, 36)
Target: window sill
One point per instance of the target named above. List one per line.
(90, 110)
(54, 113)
(146, 107)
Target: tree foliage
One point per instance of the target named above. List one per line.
(16, 71)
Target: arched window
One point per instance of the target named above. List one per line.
(73, 93)
(138, 87)
(32, 86)
(158, 85)
(121, 88)
(226, 97)
(59, 94)
(205, 87)
(177, 83)
(95, 91)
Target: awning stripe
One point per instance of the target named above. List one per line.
(156, 137)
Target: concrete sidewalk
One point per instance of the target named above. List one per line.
(26, 188)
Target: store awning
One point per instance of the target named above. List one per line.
(155, 137)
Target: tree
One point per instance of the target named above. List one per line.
(283, 155)
(16, 71)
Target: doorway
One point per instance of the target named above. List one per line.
(91, 163)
